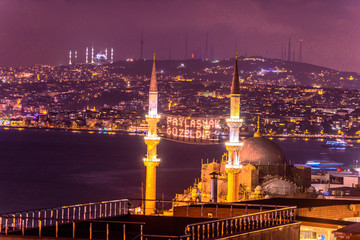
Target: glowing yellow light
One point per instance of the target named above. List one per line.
(230, 166)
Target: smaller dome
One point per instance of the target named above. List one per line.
(311, 189)
(258, 188)
(213, 167)
(279, 187)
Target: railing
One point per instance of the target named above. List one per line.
(62, 215)
(238, 224)
(136, 207)
(102, 228)
(168, 237)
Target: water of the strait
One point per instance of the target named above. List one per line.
(41, 169)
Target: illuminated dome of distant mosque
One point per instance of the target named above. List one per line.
(101, 56)
(261, 151)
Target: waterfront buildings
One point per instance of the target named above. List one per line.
(58, 97)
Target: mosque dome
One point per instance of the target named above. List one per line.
(261, 151)
(213, 167)
(258, 189)
(311, 189)
(279, 187)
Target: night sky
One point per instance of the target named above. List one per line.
(43, 31)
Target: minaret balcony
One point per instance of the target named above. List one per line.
(234, 120)
(234, 168)
(152, 141)
(234, 144)
(153, 159)
(152, 116)
(154, 138)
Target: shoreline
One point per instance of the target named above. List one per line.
(141, 133)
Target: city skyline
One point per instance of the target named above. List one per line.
(253, 28)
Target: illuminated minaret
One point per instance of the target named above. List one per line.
(70, 58)
(92, 54)
(87, 55)
(106, 54)
(75, 61)
(152, 140)
(112, 55)
(233, 146)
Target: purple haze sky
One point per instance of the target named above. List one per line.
(43, 31)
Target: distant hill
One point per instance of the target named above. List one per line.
(254, 69)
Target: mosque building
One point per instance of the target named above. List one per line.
(252, 169)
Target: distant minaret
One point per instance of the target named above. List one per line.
(289, 50)
(151, 140)
(300, 51)
(233, 146)
(106, 54)
(112, 55)
(206, 55)
(92, 54)
(186, 47)
(141, 44)
(70, 58)
(87, 55)
(75, 61)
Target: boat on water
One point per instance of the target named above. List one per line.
(323, 165)
(338, 144)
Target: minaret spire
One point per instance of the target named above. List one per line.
(151, 140)
(233, 146)
(153, 83)
(235, 86)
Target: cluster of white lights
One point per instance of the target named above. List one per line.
(153, 116)
(235, 119)
(151, 137)
(153, 159)
(237, 166)
(239, 144)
